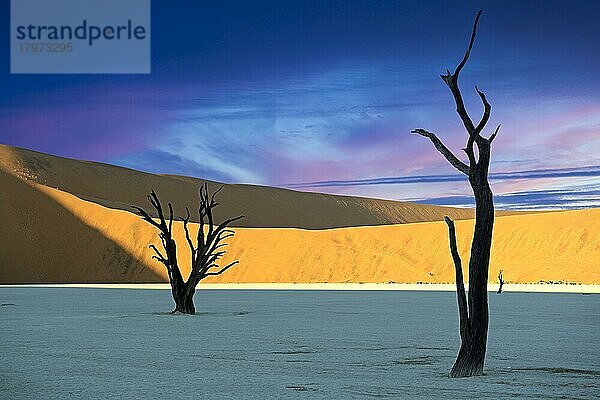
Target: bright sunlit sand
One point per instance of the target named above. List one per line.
(94, 243)
(63, 238)
(528, 288)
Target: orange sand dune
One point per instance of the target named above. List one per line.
(118, 188)
(51, 236)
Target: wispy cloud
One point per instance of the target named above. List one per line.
(582, 197)
(590, 171)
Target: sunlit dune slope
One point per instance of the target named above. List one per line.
(52, 236)
(118, 188)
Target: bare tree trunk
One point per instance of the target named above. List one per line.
(473, 312)
(471, 356)
(184, 301)
(186, 297)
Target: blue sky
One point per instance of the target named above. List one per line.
(322, 95)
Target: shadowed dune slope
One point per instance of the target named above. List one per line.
(117, 187)
(42, 241)
(52, 236)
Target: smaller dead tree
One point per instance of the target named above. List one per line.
(205, 255)
(501, 282)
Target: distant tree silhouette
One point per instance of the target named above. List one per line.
(473, 314)
(501, 280)
(205, 255)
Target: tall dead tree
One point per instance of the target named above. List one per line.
(205, 255)
(473, 312)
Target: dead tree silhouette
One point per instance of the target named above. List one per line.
(205, 255)
(501, 282)
(473, 314)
